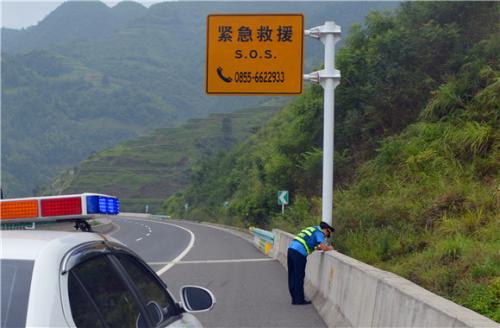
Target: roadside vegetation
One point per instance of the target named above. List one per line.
(417, 154)
(427, 206)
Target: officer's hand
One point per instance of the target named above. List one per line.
(325, 247)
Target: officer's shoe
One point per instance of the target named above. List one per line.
(304, 302)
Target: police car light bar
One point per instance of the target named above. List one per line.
(56, 208)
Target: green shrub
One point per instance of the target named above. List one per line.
(451, 249)
(485, 299)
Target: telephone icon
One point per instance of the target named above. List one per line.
(222, 77)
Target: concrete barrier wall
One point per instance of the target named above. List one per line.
(349, 293)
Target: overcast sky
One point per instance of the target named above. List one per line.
(18, 13)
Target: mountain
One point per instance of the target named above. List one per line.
(77, 110)
(145, 171)
(88, 77)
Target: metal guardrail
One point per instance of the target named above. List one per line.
(263, 239)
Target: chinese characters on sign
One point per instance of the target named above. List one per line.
(254, 54)
(264, 34)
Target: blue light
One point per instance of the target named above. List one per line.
(103, 205)
(93, 204)
(112, 206)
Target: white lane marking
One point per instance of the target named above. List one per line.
(148, 234)
(215, 261)
(138, 239)
(181, 255)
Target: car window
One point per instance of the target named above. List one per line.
(149, 287)
(15, 290)
(83, 308)
(113, 299)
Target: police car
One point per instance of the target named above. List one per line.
(82, 279)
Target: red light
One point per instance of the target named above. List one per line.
(61, 206)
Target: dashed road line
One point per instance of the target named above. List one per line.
(181, 255)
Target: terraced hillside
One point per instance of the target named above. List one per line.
(151, 168)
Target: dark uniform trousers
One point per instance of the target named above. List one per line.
(296, 273)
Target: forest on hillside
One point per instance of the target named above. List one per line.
(417, 156)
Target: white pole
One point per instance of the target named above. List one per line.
(282, 208)
(328, 125)
(329, 78)
(328, 153)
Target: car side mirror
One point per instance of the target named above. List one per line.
(196, 299)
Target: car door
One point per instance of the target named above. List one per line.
(152, 292)
(99, 296)
(111, 287)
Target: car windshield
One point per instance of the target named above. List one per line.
(15, 289)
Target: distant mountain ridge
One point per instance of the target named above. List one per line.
(73, 21)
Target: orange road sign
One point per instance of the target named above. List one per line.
(254, 54)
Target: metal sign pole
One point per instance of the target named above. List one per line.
(329, 78)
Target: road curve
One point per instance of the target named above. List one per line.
(153, 241)
(250, 288)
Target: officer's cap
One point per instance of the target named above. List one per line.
(324, 225)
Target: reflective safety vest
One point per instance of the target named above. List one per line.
(305, 237)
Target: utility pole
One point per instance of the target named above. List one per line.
(328, 78)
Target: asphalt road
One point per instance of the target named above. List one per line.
(250, 288)
(153, 241)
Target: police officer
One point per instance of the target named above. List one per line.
(304, 244)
